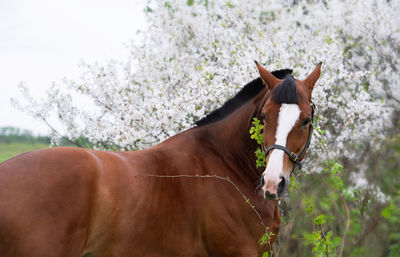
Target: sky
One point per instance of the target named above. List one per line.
(42, 41)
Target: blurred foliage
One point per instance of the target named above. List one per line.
(14, 135)
(357, 219)
(15, 141)
(343, 212)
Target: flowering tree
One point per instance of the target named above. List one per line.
(194, 55)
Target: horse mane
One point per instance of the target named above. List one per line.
(248, 92)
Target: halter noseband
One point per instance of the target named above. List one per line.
(293, 156)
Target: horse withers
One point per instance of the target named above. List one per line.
(183, 197)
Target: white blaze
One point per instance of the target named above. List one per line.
(288, 115)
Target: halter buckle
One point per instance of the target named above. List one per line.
(293, 157)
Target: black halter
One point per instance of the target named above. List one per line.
(293, 156)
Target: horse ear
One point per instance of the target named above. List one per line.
(269, 80)
(313, 77)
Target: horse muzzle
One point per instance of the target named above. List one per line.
(273, 189)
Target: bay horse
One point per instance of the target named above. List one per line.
(78, 202)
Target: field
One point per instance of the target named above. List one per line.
(9, 150)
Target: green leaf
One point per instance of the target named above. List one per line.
(168, 5)
(387, 212)
(320, 219)
(148, 9)
(328, 40)
(308, 202)
(229, 5)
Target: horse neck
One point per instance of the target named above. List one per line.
(232, 140)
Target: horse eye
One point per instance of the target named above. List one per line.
(263, 116)
(306, 121)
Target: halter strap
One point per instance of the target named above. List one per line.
(293, 156)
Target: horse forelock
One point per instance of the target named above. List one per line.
(286, 92)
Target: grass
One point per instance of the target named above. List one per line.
(9, 150)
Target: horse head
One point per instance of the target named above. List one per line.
(287, 113)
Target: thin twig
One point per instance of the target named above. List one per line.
(324, 237)
(346, 208)
(375, 221)
(58, 133)
(363, 205)
(227, 179)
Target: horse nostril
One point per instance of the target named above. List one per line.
(262, 182)
(281, 186)
(270, 196)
